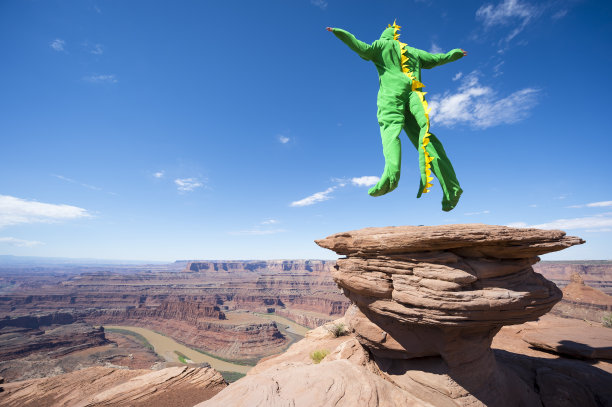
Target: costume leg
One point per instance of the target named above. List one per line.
(391, 122)
(417, 128)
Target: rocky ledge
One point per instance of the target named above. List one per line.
(429, 300)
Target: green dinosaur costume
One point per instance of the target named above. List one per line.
(402, 104)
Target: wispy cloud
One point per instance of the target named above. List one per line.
(14, 211)
(70, 180)
(188, 184)
(269, 222)
(159, 174)
(256, 232)
(599, 223)
(602, 204)
(435, 49)
(514, 14)
(97, 49)
(314, 198)
(457, 76)
(477, 213)
(480, 106)
(101, 79)
(365, 181)
(559, 14)
(322, 4)
(284, 139)
(57, 44)
(19, 242)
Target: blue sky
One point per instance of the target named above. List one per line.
(242, 129)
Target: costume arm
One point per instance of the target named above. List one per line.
(429, 61)
(361, 48)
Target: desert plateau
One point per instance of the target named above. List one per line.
(451, 315)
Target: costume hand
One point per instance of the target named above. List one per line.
(464, 51)
(329, 29)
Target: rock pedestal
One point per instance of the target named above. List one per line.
(429, 300)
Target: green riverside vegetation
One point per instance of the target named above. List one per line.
(135, 335)
(231, 377)
(181, 357)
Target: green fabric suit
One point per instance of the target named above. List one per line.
(401, 104)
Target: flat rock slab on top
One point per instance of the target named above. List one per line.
(477, 240)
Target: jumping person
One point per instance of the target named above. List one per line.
(401, 104)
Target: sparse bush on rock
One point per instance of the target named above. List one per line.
(338, 330)
(606, 320)
(318, 355)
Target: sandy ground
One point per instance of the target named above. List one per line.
(166, 346)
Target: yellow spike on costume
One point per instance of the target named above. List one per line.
(425, 142)
(428, 173)
(428, 185)
(430, 159)
(429, 179)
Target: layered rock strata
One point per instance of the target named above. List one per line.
(583, 302)
(351, 376)
(99, 386)
(430, 299)
(54, 334)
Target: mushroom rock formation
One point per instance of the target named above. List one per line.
(428, 301)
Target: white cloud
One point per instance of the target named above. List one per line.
(322, 4)
(159, 174)
(101, 79)
(513, 13)
(97, 49)
(457, 76)
(365, 181)
(14, 211)
(478, 213)
(188, 184)
(93, 187)
(602, 204)
(283, 139)
(314, 198)
(269, 222)
(435, 49)
(559, 14)
(517, 225)
(57, 44)
(480, 106)
(603, 220)
(257, 232)
(19, 242)
(596, 223)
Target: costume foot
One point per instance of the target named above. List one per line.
(447, 206)
(386, 184)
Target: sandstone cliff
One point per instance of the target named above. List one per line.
(99, 386)
(428, 303)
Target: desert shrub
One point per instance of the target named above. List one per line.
(606, 320)
(181, 357)
(338, 330)
(231, 377)
(318, 355)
